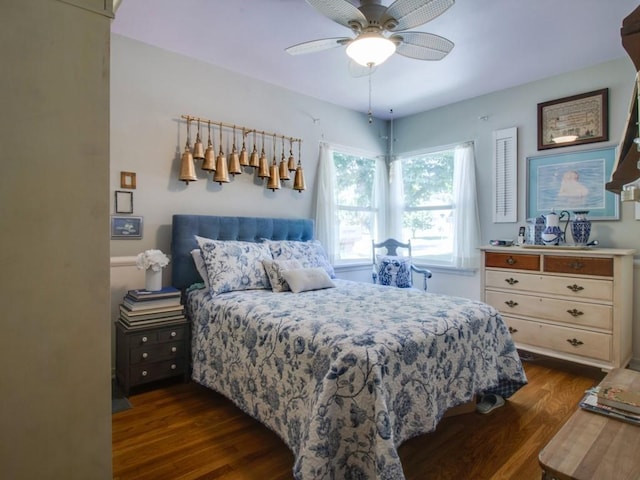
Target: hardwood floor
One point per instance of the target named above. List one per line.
(184, 431)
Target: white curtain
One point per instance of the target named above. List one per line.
(380, 188)
(466, 236)
(326, 216)
(396, 201)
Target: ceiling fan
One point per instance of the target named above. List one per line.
(371, 21)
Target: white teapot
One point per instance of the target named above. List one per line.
(552, 233)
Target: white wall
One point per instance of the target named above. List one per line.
(54, 247)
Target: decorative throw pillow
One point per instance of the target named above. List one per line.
(196, 254)
(234, 265)
(275, 269)
(394, 271)
(309, 254)
(304, 279)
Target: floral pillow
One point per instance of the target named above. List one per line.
(309, 254)
(234, 265)
(275, 269)
(395, 271)
(196, 254)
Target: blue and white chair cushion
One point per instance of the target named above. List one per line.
(394, 271)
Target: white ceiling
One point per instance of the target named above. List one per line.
(498, 44)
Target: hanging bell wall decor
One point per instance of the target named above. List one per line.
(298, 179)
(198, 148)
(254, 160)
(209, 164)
(187, 168)
(263, 164)
(291, 165)
(244, 155)
(284, 170)
(234, 158)
(222, 173)
(274, 175)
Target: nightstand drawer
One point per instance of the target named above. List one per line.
(143, 373)
(579, 265)
(151, 337)
(516, 261)
(157, 352)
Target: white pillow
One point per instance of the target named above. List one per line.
(309, 254)
(275, 268)
(234, 265)
(304, 279)
(196, 254)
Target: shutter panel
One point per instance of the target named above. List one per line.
(505, 175)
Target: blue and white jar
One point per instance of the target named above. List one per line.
(581, 227)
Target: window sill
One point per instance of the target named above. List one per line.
(467, 272)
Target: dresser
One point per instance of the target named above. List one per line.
(568, 303)
(151, 353)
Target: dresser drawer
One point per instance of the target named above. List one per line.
(516, 261)
(579, 265)
(151, 337)
(561, 339)
(587, 288)
(157, 352)
(570, 312)
(143, 373)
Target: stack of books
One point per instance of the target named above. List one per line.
(143, 307)
(615, 402)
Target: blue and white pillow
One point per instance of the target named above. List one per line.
(275, 270)
(234, 265)
(394, 271)
(310, 254)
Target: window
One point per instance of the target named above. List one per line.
(427, 204)
(355, 205)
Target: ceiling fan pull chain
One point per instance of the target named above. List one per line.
(370, 115)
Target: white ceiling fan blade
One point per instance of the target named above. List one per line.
(412, 13)
(317, 45)
(340, 11)
(422, 46)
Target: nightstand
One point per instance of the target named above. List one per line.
(149, 353)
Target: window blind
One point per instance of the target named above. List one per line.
(505, 175)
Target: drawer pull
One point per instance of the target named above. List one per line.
(174, 349)
(512, 330)
(511, 281)
(144, 373)
(173, 334)
(575, 288)
(511, 303)
(173, 366)
(144, 339)
(576, 265)
(575, 342)
(511, 261)
(145, 355)
(575, 312)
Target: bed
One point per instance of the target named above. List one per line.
(345, 374)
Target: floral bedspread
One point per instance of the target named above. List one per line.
(345, 375)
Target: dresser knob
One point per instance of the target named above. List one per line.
(145, 355)
(144, 373)
(173, 334)
(144, 339)
(575, 313)
(575, 342)
(575, 288)
(511, 261)
(174, 349)
(173, 366)
(511, 281)
(511, 303)
(512, 330)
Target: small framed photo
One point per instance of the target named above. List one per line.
(124, 202)
(123, 228)
(128, 180)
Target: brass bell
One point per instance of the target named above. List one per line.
(263, 163)
(209, 163)
(244, 155)
(284, 171)
(198, 148)
(234, 158)
(292, 161)
(298, 179)
(274, 176)
(222, 173)
(254, 161)
(187, 168)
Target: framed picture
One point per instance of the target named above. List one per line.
(126, 227)
(572, 181)
(124, 202)
(574, 120)
(128, 180)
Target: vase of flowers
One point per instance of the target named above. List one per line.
(152, 262)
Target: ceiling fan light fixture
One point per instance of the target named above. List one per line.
(370, 49)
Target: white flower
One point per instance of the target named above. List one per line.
(153, 259)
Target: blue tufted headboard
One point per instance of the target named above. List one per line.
(248, 229)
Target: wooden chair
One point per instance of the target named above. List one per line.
(390, 268)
